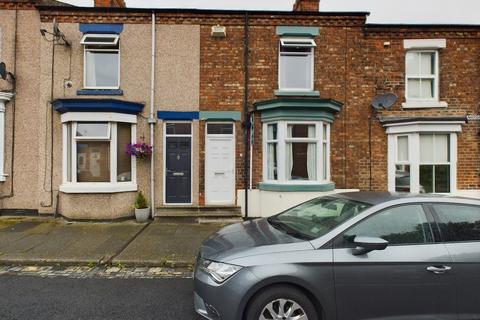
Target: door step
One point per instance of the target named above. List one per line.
(198, 214)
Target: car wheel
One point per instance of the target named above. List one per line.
(281, 303)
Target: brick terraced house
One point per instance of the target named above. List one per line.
(277, 105)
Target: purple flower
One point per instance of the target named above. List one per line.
(140, 150)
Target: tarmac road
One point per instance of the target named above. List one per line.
(27, 297)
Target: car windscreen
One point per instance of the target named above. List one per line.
(317, 217)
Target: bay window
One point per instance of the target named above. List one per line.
(95, 157)
(422, 158)
(296, 152)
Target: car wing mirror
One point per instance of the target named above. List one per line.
(365, 245)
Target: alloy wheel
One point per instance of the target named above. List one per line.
(283, 309)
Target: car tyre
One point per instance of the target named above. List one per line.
(272, 297)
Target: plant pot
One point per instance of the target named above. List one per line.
(142, 215)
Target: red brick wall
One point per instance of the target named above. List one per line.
(351, 67)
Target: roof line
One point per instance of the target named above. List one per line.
(204, 11)
(420, 26)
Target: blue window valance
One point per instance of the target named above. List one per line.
(97, 105)
(101, 28)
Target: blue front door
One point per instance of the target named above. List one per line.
(178, 157)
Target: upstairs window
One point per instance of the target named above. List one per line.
(296, 64)
(422, 75)
(101, 61)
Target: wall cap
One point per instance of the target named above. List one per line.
(285, 187)
(425, 43)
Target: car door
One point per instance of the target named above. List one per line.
(407, 280)
(460, 230)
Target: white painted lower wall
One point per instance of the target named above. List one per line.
(468, 193)
(268, 203)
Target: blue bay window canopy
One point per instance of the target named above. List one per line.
(97, 105)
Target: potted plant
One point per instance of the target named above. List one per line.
(142, 211)
(140, 150)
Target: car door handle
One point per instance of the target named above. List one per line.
(439, 269)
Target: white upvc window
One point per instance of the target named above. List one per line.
(422, 75)
(95, 158)
(423, 158)
(296, 64)
(402, 164)
(101, 61)
(435, 165)
(296, 152)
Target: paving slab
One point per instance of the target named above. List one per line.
(170, 245)
(50, 241)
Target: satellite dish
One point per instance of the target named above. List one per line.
(384, 101)
(3, 71)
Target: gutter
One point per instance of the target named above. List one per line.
(204, 11)
(152, 120)
(246, 114)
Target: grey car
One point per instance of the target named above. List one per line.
(349, 256)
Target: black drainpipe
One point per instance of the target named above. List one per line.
(246, 163)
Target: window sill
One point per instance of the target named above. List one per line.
(93, 187)
(424, 104)
(289, 187)
(284, 93)
(100, 92)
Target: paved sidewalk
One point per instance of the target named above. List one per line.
(48, 241)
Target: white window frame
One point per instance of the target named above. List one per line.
(69, 121)
(433, 163)
(435, 77)
(84, 41)
(267, 143)
(413, 130)
(108, 48)
(424, 45)
(283, 140)
(165, 135)
(4, 98)
(406, 162)
(107, 137)
(301, 43)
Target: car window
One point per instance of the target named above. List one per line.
(458, 222)
(399, 226)
(316, 217)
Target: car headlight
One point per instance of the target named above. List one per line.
(219, 271)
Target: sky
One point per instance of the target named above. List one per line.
(382, 11)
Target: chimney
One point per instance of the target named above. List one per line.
(306, 5)
(110, 3)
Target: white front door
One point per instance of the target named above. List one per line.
(220, 164)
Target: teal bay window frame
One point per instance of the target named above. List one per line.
(285, 111)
